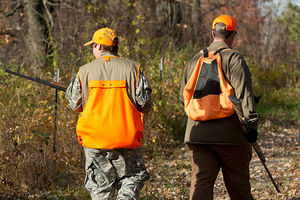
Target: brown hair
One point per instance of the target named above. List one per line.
(112, 49)
(220, 31)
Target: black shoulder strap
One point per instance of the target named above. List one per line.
(205, 52)
(219, 50)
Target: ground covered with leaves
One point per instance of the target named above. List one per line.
(171, 170)
(168, 162)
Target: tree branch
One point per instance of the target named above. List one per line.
(18, 5)
(48, 13)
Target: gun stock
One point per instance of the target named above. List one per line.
(239, 111)
(52, 84)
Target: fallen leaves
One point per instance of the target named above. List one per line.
(170, 171)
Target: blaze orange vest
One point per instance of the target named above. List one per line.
(206, 92)
(109, 119)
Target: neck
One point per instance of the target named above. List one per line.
(108, 53)
(223, 40)
(219, 40)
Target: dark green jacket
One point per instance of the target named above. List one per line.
(227, 130)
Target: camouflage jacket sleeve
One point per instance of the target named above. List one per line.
(73, 94)
(143, 94)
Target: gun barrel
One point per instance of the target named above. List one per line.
(238, 108)
(52, 84)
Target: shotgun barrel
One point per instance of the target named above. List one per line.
(52, 84)
(239, 111)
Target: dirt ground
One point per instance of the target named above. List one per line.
(170, 172)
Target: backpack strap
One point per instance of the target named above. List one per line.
(219, 50)
(205, 52)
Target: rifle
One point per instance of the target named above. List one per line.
(238, 108)
(52, 84)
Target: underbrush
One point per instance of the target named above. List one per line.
(33, 154)
(279, 90)
(281, 106)
(38, 160)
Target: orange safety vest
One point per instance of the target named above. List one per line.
(109, 119)
(206, 92)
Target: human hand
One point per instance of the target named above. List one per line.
(251, 134)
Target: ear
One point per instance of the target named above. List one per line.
(212, 34)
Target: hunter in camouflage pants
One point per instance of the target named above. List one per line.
(110, 170)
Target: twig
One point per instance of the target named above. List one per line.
(18, 6)
(48, 13)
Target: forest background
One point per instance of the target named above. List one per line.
(40, 157)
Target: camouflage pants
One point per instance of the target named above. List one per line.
(110, 170)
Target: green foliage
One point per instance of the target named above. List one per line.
(281, 105)
(273, 77)
(279, 84)
(69, 193)
(291, 20)
(279, 96)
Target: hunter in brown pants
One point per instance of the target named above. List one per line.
(219, 142)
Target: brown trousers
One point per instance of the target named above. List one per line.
(207, 159)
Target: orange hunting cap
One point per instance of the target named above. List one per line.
(103, 36)
(230, 23)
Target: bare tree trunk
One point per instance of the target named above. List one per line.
(154, 18)
(177, 21)
(36, 37)
(188, 22)
(197, 21)
(131, 31)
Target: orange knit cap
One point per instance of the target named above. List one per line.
(229, 22)
(104, 36)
